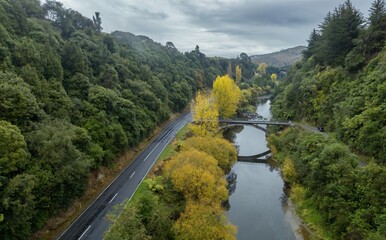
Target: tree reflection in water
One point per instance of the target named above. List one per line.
(232, 181)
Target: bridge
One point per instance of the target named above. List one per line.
(261, 157)
(254, 122)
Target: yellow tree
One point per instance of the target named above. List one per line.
(227, 95)
(205, 115)
(273, 77)
(219, 148)
(238, 75)
(197, 176)
(203, 222)
(262, 68)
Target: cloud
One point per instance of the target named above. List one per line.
(219, 27)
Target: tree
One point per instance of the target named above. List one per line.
(127, 226)
(203, 222)
(205, 115)
(222, 150)
(338, 33)
(197, 176)
(376, 33)
(262, 68)
(14, 155)
(289, 171)
(227, 95)
(18, 204)
(32, 8)
(17, 103)
(229, 70)
(238, 75)
(273, 77)
(313, 42)
(97, 22)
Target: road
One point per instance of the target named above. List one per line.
(92, 223)
(310, 128)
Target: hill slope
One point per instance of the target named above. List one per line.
(283, 58)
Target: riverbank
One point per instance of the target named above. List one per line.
(334, 195)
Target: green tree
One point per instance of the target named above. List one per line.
(14, 155)
(97, 22)
(338, 33)
(313, 42)
(376, 33)
(127, 226)
(18, 206)
(17, 104)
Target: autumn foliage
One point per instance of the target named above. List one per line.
(205, 115)
(219, 148)
(227, 96)
(197, 172)
(203, 222)
(197, 176)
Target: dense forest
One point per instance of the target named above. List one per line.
(340, 83)
(338, 179)
(73, 97)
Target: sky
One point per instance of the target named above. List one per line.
(223, 28)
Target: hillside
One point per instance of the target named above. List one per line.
(72, 99)
(280, 59)
(339, 85)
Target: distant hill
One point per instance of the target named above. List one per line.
(282, 58)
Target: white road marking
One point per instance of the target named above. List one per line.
(84, 232)
(132, 175)
(152, 150)
(113, 197)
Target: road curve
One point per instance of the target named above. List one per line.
(92, 223)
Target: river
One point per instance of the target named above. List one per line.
(258, 204)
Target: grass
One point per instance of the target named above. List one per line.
(168, 152)
(170, 149)
(142, 188)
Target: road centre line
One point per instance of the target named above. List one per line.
(113, 197)
(84, 232)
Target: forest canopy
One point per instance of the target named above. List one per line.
(73, 97)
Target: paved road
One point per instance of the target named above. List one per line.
(92, 223)
(310, 128)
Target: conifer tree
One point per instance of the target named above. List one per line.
(376, 34)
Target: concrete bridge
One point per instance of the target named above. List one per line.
(254, 122)
(261, 157)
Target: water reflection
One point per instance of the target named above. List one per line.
(256, 206)
(258, 203)
(246, 138)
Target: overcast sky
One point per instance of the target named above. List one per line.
(220, 27)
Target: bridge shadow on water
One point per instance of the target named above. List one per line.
(258, 158)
